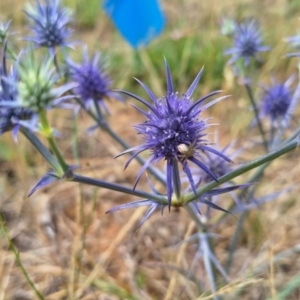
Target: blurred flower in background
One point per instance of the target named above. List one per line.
(11, 118)
(49, 24)
(277, 101)
(93, 84)
(247, 42)
(216, 164)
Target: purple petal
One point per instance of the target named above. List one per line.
(148, 91)
(203, 167)
(201, 100)
(134, 204)
(170, 87)
(47, 179)
(216, 152)
(148, 213)
(213, 205)
(139, 99)
(144, 167)
(191, 89)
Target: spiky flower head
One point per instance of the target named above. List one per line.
(247, 42)
(93, 84)
(277, 100)
(37, 84)
(49, 24)
(10, 117)
(174, 132)
(216, 164)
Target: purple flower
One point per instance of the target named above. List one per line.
(11, 117)
(173, 132)
(247, 42)
(93, 84)
(216, 164)
(49, 24)
(277, 101)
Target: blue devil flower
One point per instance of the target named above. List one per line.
(174, 132)
(11, 117)
(277, 101)
(216, 164)
(247, 42)
(93, 84)
(49, 24)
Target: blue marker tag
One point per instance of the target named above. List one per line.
(138, 21)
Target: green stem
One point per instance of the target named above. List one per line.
(257, 175)
(56, 64)
(18, 260)
(33, 139)
(253, 164)
(256, 113)
(48, 132)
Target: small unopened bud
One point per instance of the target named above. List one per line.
(37, 85)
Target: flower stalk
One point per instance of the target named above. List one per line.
(247, 167)
(47, 131)
(256, 114)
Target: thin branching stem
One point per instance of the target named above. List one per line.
(35, 141)
(119, 188)
(247, 167)
(18, 259)
(256, 114)
(48, 132)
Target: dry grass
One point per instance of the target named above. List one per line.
(72, 250)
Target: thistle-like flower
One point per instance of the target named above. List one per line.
(174, 132)
(247, 42)
(216, 164)
(277, 101)
(93, 84)
(11, 118)
(37, 84)
(49, 24)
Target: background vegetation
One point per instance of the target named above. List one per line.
(72, 250)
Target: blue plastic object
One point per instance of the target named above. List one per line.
(138, 21)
